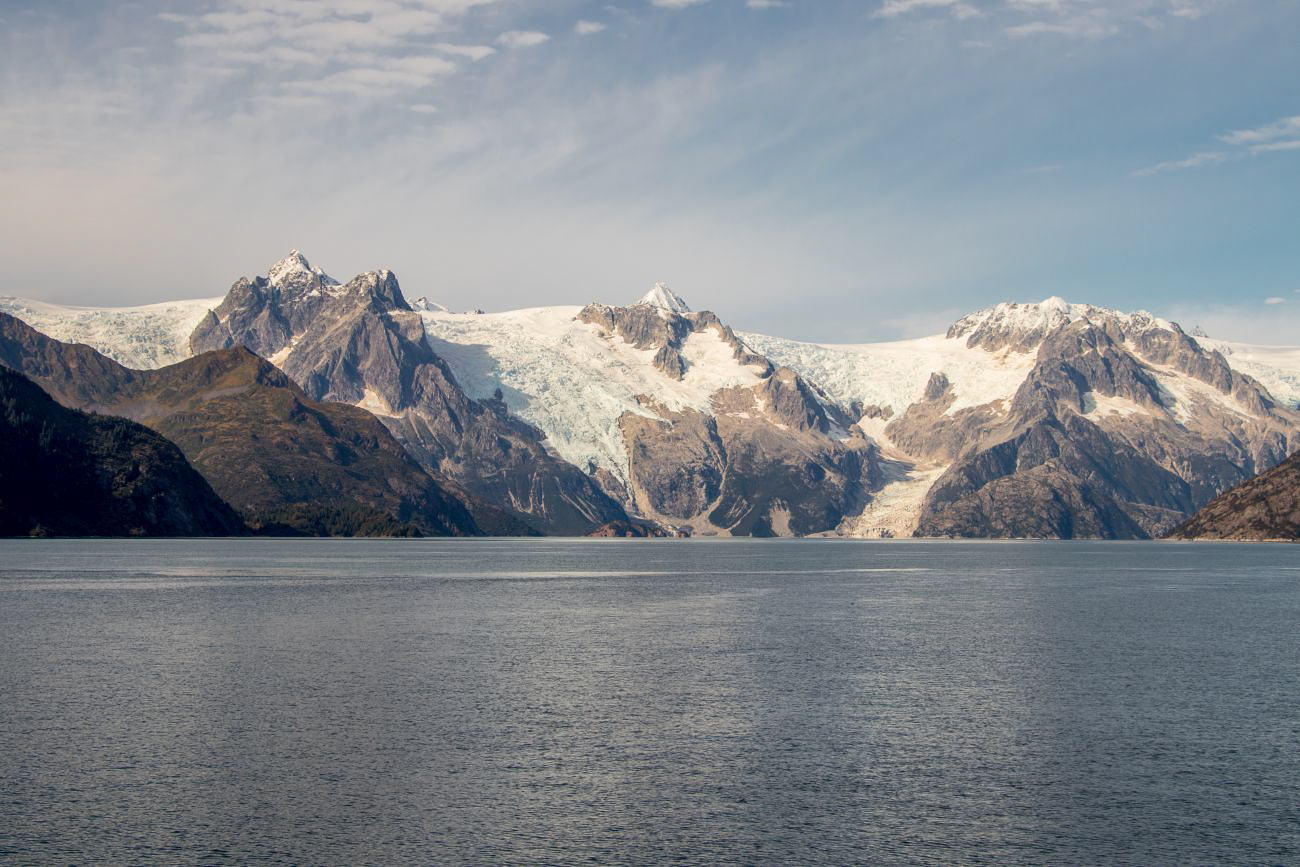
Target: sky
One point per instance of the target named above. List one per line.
(833, 171)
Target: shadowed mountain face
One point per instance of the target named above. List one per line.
(70, 473)
(360, 343)
(282, 459)
(1265, 508)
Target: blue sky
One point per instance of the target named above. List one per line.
(823, 170)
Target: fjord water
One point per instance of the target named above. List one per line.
(645, 701)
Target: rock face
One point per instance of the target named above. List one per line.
(69, 473)
(360, 343)
(1265, 508)
(1096, 442)
(286, 462)
(760, 460)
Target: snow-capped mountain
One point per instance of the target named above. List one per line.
(1042, 419)
(1165, 419)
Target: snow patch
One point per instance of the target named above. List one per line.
(1186, 398)
(1098, 406)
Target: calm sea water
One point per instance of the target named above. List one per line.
(604, 701)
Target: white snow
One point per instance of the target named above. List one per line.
(1099, 406)
(153, 335)
(293, 268)
(1050, 313)
(895, 374)
(424, 305)
(895, 509)
(1276, 367)
(574, 382)
(664, 298)
(1184, 396)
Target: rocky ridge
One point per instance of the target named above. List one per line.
(360, 343)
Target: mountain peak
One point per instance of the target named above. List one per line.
(664, 298)
(424, 305)
(1025, 325)
(295, 265)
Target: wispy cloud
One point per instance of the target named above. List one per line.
(1204, 158)
(1094, 25)
(587, 28)
(895, 8)
(1293, 144)
(1286, 127)
(1078, 19)
(522, 38)
(1276, 299)
(1280, 135)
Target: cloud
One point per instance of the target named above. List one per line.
(1093, 26)
(1275, 300)
(675, 4)
(1293, 144)
(289, 54)
(1275, 137)
(522, 38)
(895, 8)
(473, 52)
(1204, 158)
(586, 28)
(1286, 127)
(765, 4)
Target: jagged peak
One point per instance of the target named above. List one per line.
(665, 299)
(294, 266)
(1025, 323)
(424, 305)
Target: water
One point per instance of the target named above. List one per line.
(605, 701)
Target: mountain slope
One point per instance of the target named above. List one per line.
(279, 457)
(361, 343)
(1050, 419)
(1264, 508)
(681, 421)
(69, 473)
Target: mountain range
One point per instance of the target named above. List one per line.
(1044, 420)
